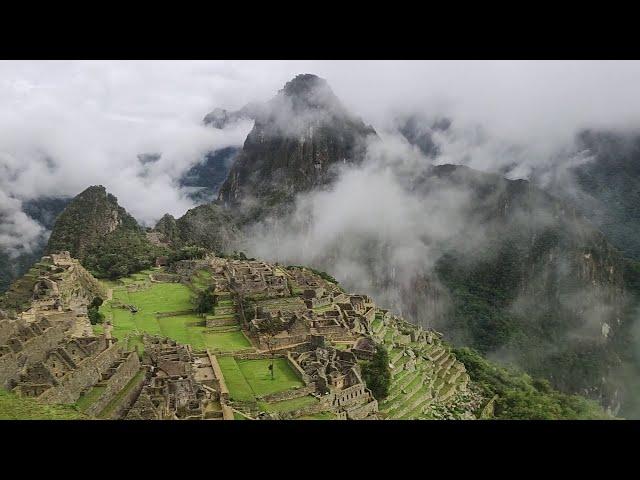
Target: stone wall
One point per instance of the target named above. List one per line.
(258, 356)
(7, 329)
(310, 410)
(88, 373)
(164, 277)
(289, 394)
(29, 352)
(174, 313)
(350, 395)
(123, 375)
(128, 400)
(279, 342)
(298, 369)
(222, 385)
(363, 411)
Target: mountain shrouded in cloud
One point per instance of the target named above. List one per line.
(493, 262)
(297, 139)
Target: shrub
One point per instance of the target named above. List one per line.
(377, 374)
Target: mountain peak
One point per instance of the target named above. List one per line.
(310, 91)
(90, 216)
(298, 139)
(304, 83)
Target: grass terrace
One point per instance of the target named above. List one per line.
(13, 407)
(249, 379)
(152, 299)
(257, 374)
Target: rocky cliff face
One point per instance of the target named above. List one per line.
(208, 226)
(203, 181)
(297, 140)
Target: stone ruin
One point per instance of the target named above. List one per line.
(179, 384)
(294, 329)
(255, 279)
(337, 378)
(49, 352)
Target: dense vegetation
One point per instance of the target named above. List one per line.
(186, 253)
(376, 373)
(121, 253)
(102, 235)
(205, 300)
(93, 311)
(612, 182)
(521, 397)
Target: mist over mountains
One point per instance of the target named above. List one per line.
(509, 243)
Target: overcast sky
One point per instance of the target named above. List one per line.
(67, 125)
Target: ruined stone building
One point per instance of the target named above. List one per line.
(337, 377)
(180, 384)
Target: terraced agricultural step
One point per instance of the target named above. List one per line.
(406, 380)
(397, 387)
(416, 411)
(441, 352)
(395, 356)
(223, 329)
(399, 366)
(381, 333)
(411, 402)
(391, 333)
(377, 327)
(454, 375)
(415, 385)
(400, 376)
(446, 392)
(221, 322)
(441, 362)
(400, 401)
(449, 363)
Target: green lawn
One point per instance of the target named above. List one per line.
(248, 379)
(166, 297)
(13, 407)
(190, 329)
(238, 387)
(258, 376)
(201, 280)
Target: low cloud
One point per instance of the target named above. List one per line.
(19, 233)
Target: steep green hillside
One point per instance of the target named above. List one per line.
(208, 226)
(102, 235)
(611, 180)
(540, 286)
(514, 395)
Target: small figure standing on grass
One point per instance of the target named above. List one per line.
(270, 327)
